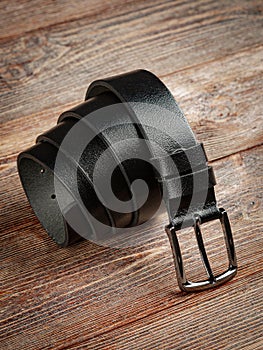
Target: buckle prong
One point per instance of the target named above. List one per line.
(212, 280)
(201, 247)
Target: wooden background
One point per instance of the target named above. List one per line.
(209, 53)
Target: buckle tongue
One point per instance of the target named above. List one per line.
(213, 280)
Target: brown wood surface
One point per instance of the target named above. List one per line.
(210, 54)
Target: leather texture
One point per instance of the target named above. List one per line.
(137, 99)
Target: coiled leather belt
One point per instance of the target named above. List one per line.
(147, 137)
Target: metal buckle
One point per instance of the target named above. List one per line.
(212, 281)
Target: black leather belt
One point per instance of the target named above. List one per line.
(128, 128)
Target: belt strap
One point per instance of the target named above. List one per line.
(178, 167)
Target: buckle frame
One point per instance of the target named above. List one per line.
(213, 280)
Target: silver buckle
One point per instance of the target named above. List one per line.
(212, 281)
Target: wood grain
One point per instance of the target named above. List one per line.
(92, 297)
(64, 297)
(37, 84)
(51, 13)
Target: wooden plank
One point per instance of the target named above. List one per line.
(41, 60)
(47, 13)
(216, 81)
(217, 100)
(92, 297)
(227, 116)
